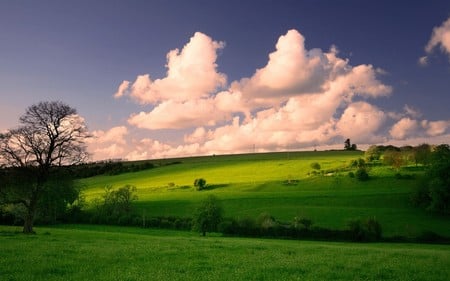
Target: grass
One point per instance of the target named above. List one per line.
(248, 185)
(113, 253)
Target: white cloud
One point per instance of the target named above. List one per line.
(360, 122)
(123, 89)
(191, 74)
(178, 115)
(423, 61)
(404, 128)
(435, 128)
(108, 144)
(300, 98)
(440, 37)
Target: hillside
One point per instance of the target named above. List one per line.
(280, 184)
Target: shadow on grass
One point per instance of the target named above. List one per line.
(214, 186)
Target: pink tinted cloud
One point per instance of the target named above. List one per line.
(300, 98)
(191, 74)
(439, 37)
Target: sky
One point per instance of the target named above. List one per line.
(157, 79)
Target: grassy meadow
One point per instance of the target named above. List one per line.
(279, 184)
(116, 253)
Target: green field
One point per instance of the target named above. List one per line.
(248, 185)
(114, 253)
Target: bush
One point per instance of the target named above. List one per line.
(361, 174)
(351, 174)
(265, 220)
(368, 230)
(208, 215)
(303, 223)
(434, 192)
(315, 166)
(200, 183)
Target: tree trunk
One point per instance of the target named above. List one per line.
(29, 217)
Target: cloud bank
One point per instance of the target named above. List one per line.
(301, 98)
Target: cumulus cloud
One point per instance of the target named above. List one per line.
(183, 97)
(435, 128)
(439, 37)
(300, 98)
(177, 115)
(404, 128)
(360, 122)
(191, 73)
(108, 144)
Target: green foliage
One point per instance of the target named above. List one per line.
(302, 222)
(59, 193)
(368, 230)
(265, 220)
(358, 163)
(434, 192)
(200, 183)
(115, 206)
(422, 154)
(373, 153)
(361, 174)
(394, 158)
(109, 168)
(315, 166)
(208, 215)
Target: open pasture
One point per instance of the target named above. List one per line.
(118, 253)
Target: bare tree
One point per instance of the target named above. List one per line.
(50, 134)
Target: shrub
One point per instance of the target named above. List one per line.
(368, 230)
(200, 183)
(351, 174)
(265, 220)
(208, 215)
(434, 192)
(361, 174)
(315, 166)
(301, 222)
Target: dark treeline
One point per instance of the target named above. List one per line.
(112, 168)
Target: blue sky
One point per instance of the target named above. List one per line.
(81, 51)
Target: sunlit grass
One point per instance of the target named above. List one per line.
(248, 185)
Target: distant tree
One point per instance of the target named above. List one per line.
(315, 166)
(422, 154)
(393, 158)
(349, 146)
(373, 153)
(208, 215)
(200, 183)
(361, 174)
(434, 193)
(51, 135)
(358, 163)
(115, 203)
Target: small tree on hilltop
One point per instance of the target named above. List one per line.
(349, 146)
(208, 215)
